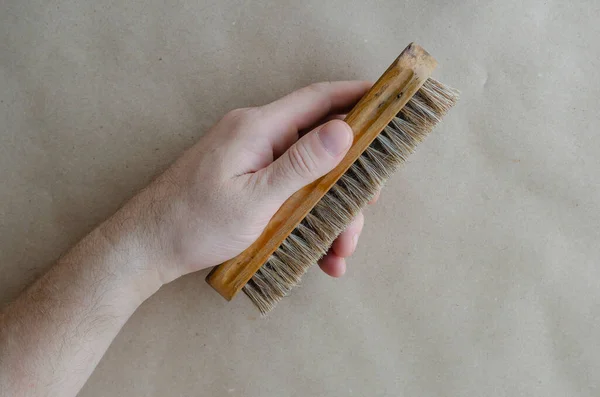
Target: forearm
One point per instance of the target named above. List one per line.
(54, 334)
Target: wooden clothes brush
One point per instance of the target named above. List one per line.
(388, 122)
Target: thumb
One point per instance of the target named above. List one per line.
(311, 157)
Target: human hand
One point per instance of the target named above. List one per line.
(217, 198)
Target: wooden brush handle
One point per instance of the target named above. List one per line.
(367, 119)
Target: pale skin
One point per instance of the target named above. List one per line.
(210, 205)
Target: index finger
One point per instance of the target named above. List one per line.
(309, 105)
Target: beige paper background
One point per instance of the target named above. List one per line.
(478, 272)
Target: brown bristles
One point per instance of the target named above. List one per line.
(336, 210)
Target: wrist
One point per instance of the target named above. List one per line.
(129, 253)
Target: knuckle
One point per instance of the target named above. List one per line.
(321, 92)
(240, 122)
(240, 115)
(302, 164)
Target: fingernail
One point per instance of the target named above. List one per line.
(333, 137)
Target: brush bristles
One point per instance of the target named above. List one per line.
(336, 210)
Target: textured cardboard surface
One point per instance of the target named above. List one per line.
(485, 245)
